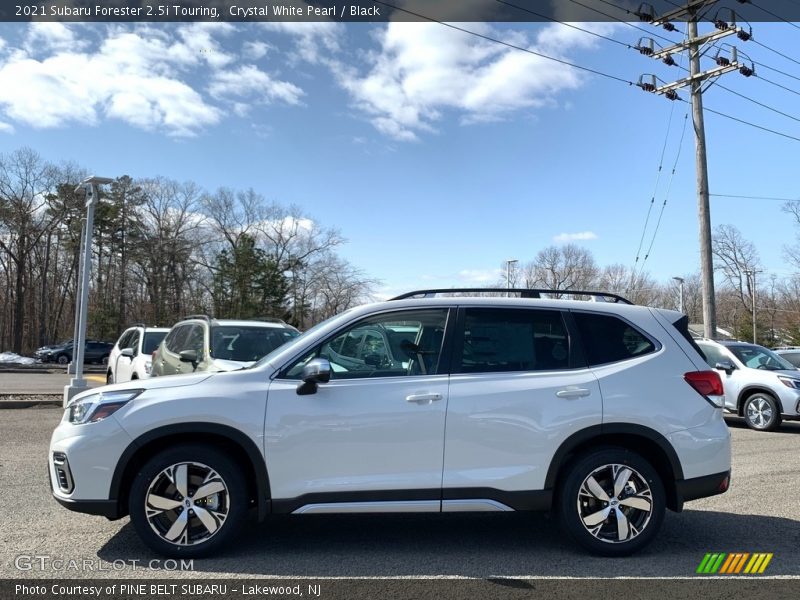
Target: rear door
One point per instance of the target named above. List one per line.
(517, 390)
(124, 364)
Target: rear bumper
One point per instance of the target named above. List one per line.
(702, 487)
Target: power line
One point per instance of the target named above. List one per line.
(749, 99)
(669, 188)
(787, 57)
(783, 87)
(756, 197)
(647, 31)
(761, 127)
(540, 15)
(762, 65)
(508, 44)
(772, 14)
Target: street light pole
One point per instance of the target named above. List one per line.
(78, 384)
(752, 282)
(680, 282)
(509, 262)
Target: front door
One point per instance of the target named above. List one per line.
(372, 438)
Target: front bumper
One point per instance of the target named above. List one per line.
(104, 508)
(88, 454)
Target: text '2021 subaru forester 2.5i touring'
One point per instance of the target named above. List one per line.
(602, 412)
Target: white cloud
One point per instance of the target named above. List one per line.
(314, 41)
(575, 237)
(135, 74)
(6, 128)
(44, 37)
(422, 70)
(256, 50)
(249, 81)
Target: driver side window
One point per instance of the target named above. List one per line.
(395, 344)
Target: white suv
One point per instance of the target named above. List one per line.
(131, 356)
(604, 412)
(760, 385)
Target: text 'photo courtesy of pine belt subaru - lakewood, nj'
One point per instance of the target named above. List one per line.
(602, 412)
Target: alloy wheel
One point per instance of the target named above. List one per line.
(759, 412)
(615, 503)
(187, 503)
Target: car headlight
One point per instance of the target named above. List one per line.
(148, 366)
(99, 406)
(790, 382)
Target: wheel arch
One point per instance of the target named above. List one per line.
(230, 440)
(749, 390)
(644, 441)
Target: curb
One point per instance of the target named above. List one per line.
(28, 401)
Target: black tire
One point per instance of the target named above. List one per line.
(109, 378)
(153, 478)
(574, 503)
(760, 411)
(62, 359)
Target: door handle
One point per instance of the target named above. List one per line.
(423, 398)
(573, 392)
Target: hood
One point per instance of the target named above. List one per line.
(154, 383)
(793, 373)
(231, 365)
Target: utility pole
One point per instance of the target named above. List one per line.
(509, 262)
(701, 169)
(694, 44)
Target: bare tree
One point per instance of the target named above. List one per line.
(736, 258)
(562, 267)
(26, 181)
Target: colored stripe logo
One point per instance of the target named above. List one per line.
(736, 563)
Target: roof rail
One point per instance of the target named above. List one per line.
(203, 317)
(268, 320)
(523, 293)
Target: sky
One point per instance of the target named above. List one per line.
(436, 153)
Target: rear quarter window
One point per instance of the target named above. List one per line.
(608, 339)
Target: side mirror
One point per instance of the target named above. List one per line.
(316, 371)
(127, 352)
(189, 356)
(725, 365)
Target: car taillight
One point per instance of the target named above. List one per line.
(706, 383)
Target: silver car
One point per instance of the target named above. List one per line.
(760, 385)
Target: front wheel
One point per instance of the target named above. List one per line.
(761, 412)
(109, 378)
(63, 359)
(188, 501)
(611, 502)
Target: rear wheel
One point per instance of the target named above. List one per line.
(761, 412)
(188, 501)
(611, 502)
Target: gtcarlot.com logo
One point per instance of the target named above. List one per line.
(735, 563)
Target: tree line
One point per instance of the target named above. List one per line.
(740, 279)
(161, 249)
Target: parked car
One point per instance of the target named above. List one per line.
(94, 352)
(790, 353)
(131, 358)
(760, 385)
(200, 343)
(605, 413)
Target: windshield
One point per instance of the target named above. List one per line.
(151, 341)
(757, 357)
(246, 344)
(300, 337)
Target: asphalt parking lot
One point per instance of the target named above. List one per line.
(761, 513)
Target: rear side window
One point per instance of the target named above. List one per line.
(504, 340)
(607, 339)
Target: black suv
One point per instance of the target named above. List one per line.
(94, 352)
